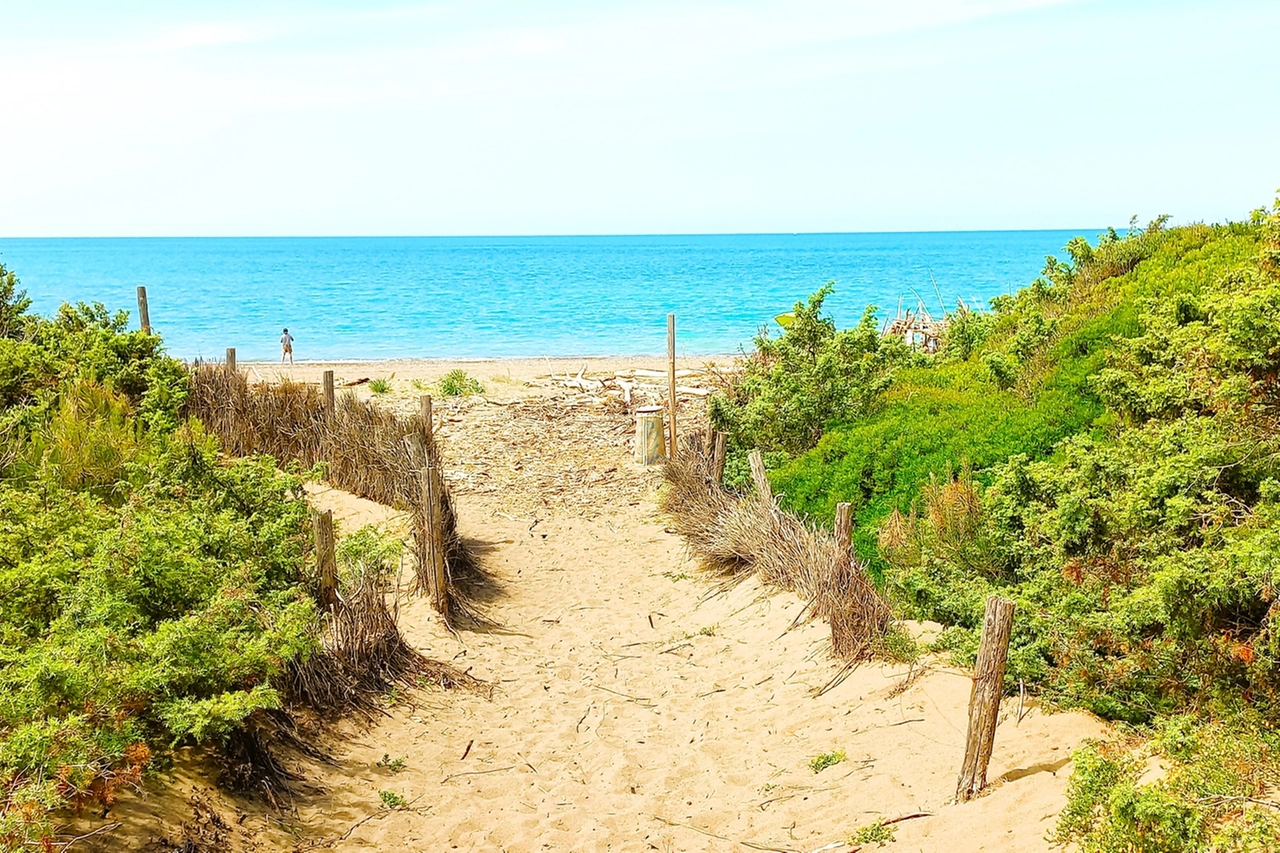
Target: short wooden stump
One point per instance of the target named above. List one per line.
(651, 437)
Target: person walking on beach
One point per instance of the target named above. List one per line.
(286, 347)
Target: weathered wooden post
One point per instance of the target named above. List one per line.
(437, 578)
(428, 426)
(844, 534)
(671, 381)
(719, 444)
(650, 444)
(984, 700)
(328, 392)
(231, 359)
(760, 477)
(833, 602)
(326, 558)
(144, 315)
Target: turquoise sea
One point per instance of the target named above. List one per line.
(450, 297)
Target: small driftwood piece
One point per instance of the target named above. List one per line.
(984, 700)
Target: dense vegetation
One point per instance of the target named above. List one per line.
(150, 594)
(1103, 448)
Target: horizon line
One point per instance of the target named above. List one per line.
(543, 236)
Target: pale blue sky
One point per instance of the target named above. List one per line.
(477, 117)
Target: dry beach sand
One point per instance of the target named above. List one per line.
(634, 705)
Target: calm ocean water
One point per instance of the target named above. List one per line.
(428, 297)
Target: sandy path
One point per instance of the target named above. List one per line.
(633, 708)
(633, 711)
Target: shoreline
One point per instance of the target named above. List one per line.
(498, 369)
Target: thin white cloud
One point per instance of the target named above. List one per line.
(199, 35)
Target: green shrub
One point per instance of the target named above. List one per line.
(878, 834)
(13, 304)
(380, 385)
(154, 594)
(456, 383)
(368, 552)
(1104, 448)
(1210, 796)
(792, 387)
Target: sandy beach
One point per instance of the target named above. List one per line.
(499, 371)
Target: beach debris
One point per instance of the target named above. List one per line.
(918, 329)
(633, 384)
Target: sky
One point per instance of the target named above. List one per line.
(479, 117)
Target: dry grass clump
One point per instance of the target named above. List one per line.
(286, 421)
(735, 535)
(363, 655)
(366, 450)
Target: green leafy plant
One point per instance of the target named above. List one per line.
(878, 834)
(818, 763)
(369, 552)
(1212, 794)
(380, 385)
(395, 765)
(1103, 448)
(457, 383)
(793, 386)
(393, 801)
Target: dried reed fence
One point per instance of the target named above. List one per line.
(732, 536)
(363, 655)
(367, 451)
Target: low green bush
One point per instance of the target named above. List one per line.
(793, 386)
(1192, 787)
(457, 383)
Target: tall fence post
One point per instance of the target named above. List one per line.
(326, 558)
(428, 425)
(433, 538)
(231, 359)
(760, 477)
(671, 383)
(329, 401)
(984, 700)
(144, 315)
